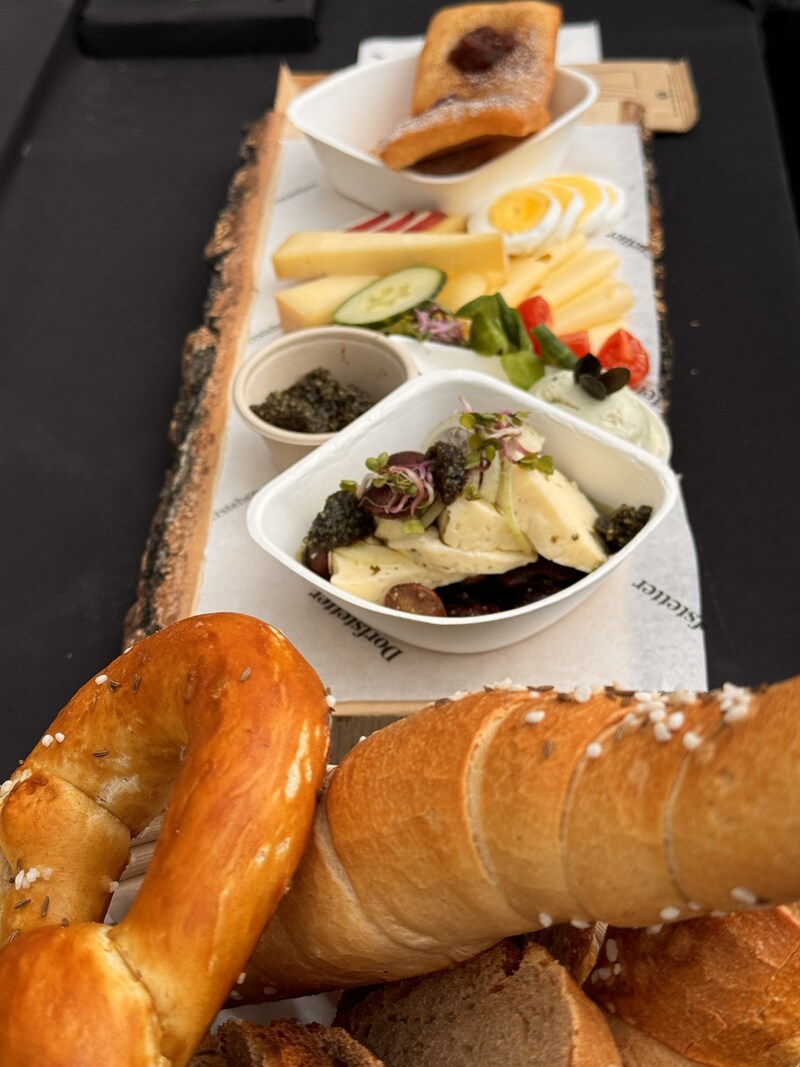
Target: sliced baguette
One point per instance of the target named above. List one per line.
(502, 812)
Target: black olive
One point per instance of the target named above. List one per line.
(318, 561)
(405, 459)
(593, 386)
(415, 599)
(385, 497)
(615, 378)
(590, 376)
(587, 365)
(377, 499)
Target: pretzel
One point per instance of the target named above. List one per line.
(224, 707)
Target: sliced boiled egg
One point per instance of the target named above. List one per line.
(571, 203)
(604, 201)
(617, 203)
(526, 219)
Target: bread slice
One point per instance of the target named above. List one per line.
(512, 1005)
(483, 81)
(281, 1043)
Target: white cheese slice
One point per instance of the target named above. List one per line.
(369, 570)
(475, 525)
(555, 516)
(429, 550)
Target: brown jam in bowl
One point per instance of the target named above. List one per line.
(479, 50)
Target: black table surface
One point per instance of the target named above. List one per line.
(113, 172)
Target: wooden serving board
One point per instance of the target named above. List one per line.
(172, 562)
(173, 557)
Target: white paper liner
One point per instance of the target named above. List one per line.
(642, 628)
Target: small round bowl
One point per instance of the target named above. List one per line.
(353, 356)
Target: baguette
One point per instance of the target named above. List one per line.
(504, 811)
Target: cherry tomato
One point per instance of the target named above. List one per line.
(535, 311)
(578, 342)
(622, 349)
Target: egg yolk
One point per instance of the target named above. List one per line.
(571, 203)
(595, 198)
(520, 210)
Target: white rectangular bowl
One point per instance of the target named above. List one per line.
(347, 114)
(609, 471)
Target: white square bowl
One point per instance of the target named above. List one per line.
(347, 114)
(609, 471)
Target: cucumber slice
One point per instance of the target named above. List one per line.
(390, 296)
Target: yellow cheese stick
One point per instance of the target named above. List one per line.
(449, 224)
(602, 303)
(577, 275)
(313, 303)
(307, 255)
(461, 288)
(599, 334)
(526, 272)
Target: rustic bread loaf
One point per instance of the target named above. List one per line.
(485, 73)
(640, 1050)
(719, 991)
(512, 1005)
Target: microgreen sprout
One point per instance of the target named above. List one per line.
(398, 484)
(437, 325)
(499, 432)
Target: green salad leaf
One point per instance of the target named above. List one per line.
(498, 330)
